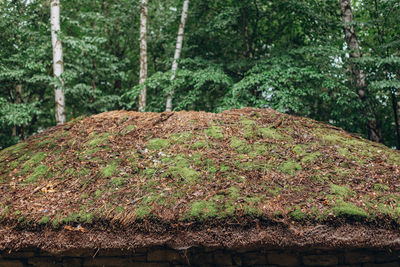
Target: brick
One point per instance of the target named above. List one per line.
(164, 255)
(44, 262)
(202, 259)
(11, 263)
(358, 257)
(140, 250)
(72, 262)
(222, 259)
(78, 253)
(237, 260)
(211, 249)
(320, 260)
(282, 259)
(139, 258)
(118, 252)
(254, 258)
(148, 264)
(18, 254)
(107, 261)
(247, 249)
(388, 264)
(386, 257)
(114, 253)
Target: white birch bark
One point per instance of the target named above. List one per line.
(143, 54)
(178, 50)
(58, 63)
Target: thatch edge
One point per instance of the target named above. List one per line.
(320, 236)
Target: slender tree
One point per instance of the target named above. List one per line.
(58, 63)
(143, 54)
(358, 74)
(396, 111)
(178, 50)
(18, 91)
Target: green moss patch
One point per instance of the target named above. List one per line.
(189, 175)
(142, 211)
(45, 143)
(33, 161)
(110, 169)
(249, 129)
(38, 173)
(340, 190)
(346, 209)
(97, 139)
(311, 158)
(118, 182)
(180, 138)
(13, 150)
(214, 132)
(270, 133)
(300, 150)
(331, 137)
(239, 145)
(381, 187)
(202, 210)
(92, 151)
(298, 215)
(158, 144)
(289, 167)
(394, 158)
(78, 217)
(128, 129)
(14, 164)
(248, 122)
(200, 144)
(259, 149)
(179, 167)
(44, 220)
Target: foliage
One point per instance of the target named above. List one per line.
(287, 55)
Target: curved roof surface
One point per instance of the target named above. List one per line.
(242, 177)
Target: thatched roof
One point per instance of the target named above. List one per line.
(244, 177)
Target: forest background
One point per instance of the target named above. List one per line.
(289, 55)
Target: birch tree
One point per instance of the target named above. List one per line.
(143, 54)
(358, 74)
(58, 63)
(178, 50)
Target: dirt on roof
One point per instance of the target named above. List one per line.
(166, 178)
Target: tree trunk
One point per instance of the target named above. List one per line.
(244, 29)
(18, 100)
(373, 131)
(58, 63)
(178, 50)
(143, 55)
(396, 111)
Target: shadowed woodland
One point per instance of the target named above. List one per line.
(333, 61)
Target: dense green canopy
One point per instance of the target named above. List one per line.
(288, 55)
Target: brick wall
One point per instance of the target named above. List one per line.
(160, 256)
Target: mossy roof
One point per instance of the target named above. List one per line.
(125, 169)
